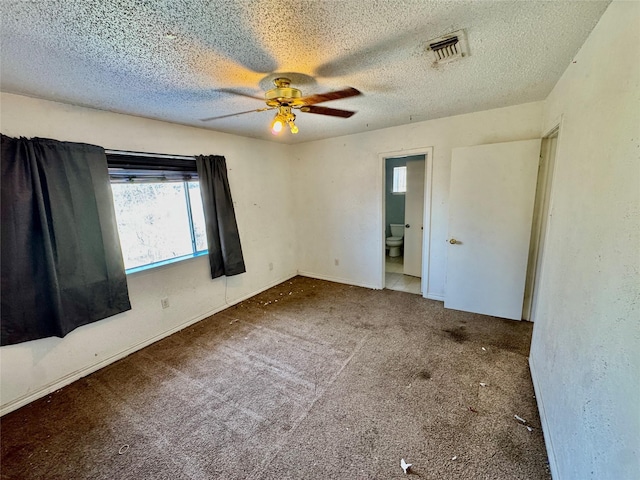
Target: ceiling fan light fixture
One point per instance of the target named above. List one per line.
(277, 124)
(284, 116)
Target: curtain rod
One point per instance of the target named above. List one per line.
(147, 154)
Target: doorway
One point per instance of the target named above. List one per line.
(406, 214)
(541, 217)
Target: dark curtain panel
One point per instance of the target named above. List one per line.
(61, 264)
(225, 252)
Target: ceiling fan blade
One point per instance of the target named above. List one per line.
(332, 112)
(235, 114)
(325, 97)
(233, 91)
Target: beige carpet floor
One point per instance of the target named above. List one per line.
(308, 380)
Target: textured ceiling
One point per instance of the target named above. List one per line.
(183, 60)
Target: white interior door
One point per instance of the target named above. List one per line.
(413, 217)
(490, 214)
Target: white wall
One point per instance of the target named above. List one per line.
(585, 353)
(339, 187)
(260, 180)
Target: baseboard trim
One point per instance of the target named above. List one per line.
(78, 374)
(435, 296)
(553, 465)
(331, 278)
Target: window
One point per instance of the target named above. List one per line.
(399, 179)
(158, 211)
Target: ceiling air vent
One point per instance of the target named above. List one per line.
(448, 48)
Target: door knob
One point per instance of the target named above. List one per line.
(408, 226)
(453, 241)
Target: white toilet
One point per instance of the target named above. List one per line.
(394, 242)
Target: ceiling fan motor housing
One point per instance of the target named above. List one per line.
(283, 94)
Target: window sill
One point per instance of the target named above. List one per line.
(163, 263)
(398, 193)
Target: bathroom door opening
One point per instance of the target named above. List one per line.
(405, 219)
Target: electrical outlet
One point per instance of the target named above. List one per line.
(270, 266)
(164, 302)
(337, 262)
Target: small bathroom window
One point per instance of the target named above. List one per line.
(399, 179)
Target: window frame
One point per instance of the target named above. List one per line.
(126, 167)
(394, 181)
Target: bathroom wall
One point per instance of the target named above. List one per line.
(260, 180)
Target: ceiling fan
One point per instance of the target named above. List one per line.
(286, 98)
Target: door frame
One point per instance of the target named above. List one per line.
(426, 220)
(535, 270)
